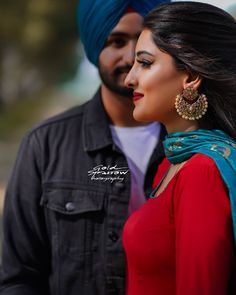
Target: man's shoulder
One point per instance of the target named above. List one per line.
(57, 126)
(74, 113)
(65, 119)
(72, 116)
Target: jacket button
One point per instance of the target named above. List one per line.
(113, 236)
(70, 206)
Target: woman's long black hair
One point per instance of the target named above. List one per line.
(202, 40)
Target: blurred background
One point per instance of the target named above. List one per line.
(43, 69)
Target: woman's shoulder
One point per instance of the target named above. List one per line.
(200, 162)
(202, 168)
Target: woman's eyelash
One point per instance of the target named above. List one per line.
(144, 63)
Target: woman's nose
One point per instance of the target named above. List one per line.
(130, 80)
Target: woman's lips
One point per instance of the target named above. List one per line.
(137, 96)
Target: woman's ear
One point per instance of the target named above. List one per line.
(193, 81)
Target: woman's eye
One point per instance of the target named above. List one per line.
(144, 63)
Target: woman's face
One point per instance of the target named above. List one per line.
(155, 81)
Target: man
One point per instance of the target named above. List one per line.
(80, 174)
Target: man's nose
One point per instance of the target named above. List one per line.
(129, 53)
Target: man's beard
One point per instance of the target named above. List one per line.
(113, 81)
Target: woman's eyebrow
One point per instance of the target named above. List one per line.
(143, 52)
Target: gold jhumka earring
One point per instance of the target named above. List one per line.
(190, 105)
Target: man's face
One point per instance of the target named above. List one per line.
(117, 57)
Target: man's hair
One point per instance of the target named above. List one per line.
(202, 40)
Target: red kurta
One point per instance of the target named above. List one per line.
(182, 241)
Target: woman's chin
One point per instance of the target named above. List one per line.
(140, 116)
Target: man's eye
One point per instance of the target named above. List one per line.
(119, 42)
(144, 63)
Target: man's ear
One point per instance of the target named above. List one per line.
(193, 81)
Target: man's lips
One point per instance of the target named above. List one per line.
(137, 96)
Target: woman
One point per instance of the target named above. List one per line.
(182, 241)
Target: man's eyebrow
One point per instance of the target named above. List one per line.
(143, 52)
(122, 34)
(117, 33)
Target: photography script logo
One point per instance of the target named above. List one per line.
(108, 173)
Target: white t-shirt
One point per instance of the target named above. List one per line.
(137, 143)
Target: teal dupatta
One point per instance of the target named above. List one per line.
(216, 144)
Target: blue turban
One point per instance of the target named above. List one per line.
(97, 18)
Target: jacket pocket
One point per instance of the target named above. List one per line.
(75, 218)
(69, 201)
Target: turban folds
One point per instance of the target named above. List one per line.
(97, 18)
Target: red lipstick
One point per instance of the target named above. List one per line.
(137, 96)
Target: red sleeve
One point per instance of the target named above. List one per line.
(162, 168)
(204, 237)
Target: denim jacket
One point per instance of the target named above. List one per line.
(62, 221)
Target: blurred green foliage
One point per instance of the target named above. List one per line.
(21, 115)
(36, 37)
